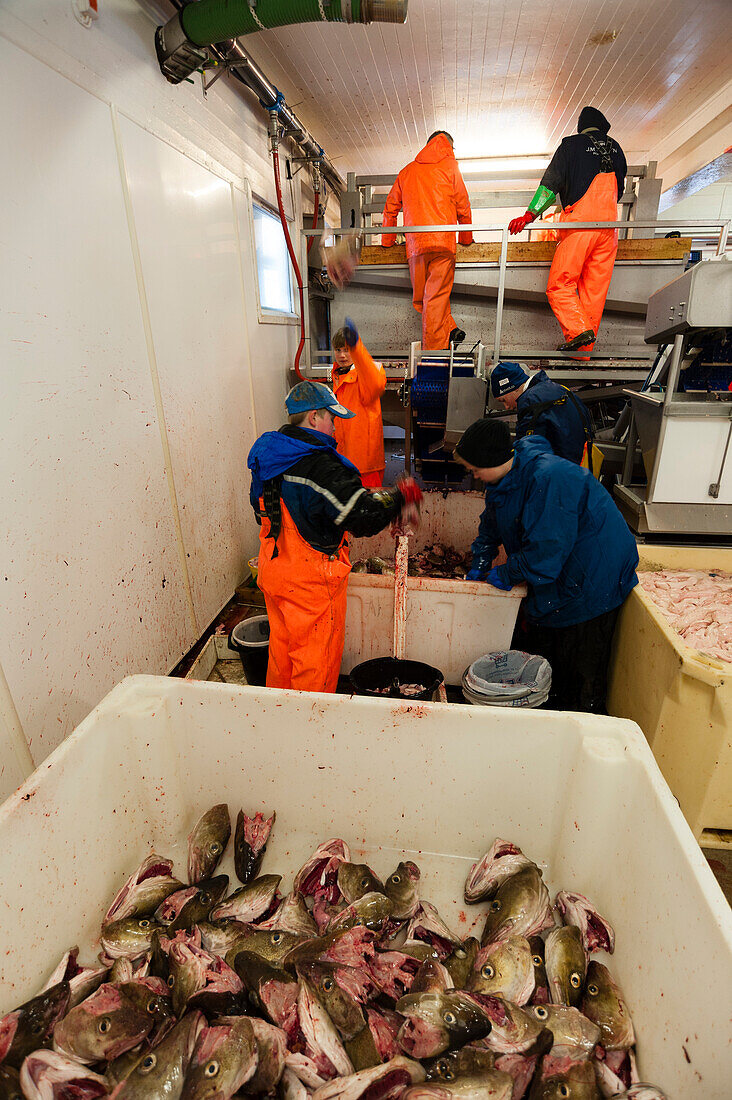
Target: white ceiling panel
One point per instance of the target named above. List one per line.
(503, 76)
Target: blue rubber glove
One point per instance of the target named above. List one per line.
(475, 575)
(350, 332)
(494, 578)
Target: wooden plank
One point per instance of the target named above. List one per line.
(672, 248)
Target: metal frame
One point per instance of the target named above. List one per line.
(712, 228)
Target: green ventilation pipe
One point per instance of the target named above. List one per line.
(211, 21)
(180, 43)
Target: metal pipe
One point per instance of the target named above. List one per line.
(501, 291)
(247, 72)
(713, 227)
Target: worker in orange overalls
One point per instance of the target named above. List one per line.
(307, 498)
(358, 383)
(587, 172)
(431, 191)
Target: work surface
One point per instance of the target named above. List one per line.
(671, 248)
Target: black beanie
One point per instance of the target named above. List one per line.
(486, 443)
(589, 117)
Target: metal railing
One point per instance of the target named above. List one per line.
(703, 230)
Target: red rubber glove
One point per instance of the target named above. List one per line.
(519, 224)
(410, 490)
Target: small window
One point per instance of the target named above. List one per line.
(273, 262)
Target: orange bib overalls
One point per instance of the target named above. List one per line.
(305, 593)
(583, 263)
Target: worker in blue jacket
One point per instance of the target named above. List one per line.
(567, 541)
(544, 408)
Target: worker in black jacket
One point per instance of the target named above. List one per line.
(587, 172)
(307, 497)
(544, 408)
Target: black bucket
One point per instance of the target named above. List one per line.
(250, 638)
(373, 677)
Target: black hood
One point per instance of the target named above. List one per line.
(590, 116)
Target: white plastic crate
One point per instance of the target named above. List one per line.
(581, 795)
(449, 623)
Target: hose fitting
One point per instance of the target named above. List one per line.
(177, 56)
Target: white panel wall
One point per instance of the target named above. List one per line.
(127, 330)
(184, 220)
(88, 535)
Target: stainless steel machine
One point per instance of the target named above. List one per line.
(685, 433)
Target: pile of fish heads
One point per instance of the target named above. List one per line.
(349, 987)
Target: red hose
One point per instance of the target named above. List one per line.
(293, 258)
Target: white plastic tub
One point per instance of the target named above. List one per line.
(581, 795)
(449, 623)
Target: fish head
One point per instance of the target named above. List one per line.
(597, 932)
(102, 1027)
(502, 860)
(160, 1072)
(461, 962)
(197, 906)
(356, 879)
(28, 1027)
(436, 1022)
(566, 965)
(370, 911)
(343, 1009)
(207, 842)
(515, 906)
(469, 1061)
(46, 1075)
(603, 1003)
(578, 1083)
(505, 969)
(515, 1030)
(224, 1059)
(570, 1028)
(189, 967)
(250, 843)
(128, 937)
(274, 947)
(402, 890)
(250, 902)
(153, 997)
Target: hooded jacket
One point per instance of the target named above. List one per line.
(431, 191)
(583, 156)
(563, 535)
(321, 489)
(548, 409)
(361, 439)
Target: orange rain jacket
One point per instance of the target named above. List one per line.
(431, 191)
(361, 440)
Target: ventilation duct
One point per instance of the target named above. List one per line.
(181, 42)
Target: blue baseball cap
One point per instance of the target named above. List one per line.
(314, 395)
(507, 377)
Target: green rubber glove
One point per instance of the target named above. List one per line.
(543, 198)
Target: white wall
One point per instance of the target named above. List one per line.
(135, 371)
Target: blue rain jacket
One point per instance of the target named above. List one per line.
(567, 426)
(563, 535)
